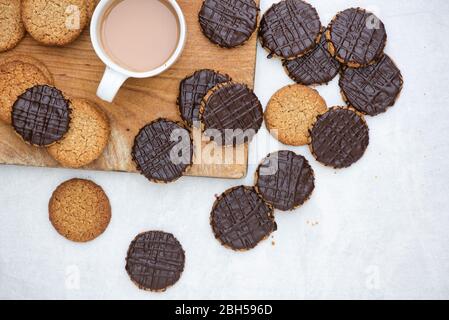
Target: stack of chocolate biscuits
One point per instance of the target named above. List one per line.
(244, 216)
(74, 131)
(352, 45)
(228, 113)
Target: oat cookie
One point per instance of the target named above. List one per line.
(11, 57)
(79, 210)
(291, 111)
(15, 77)
(87, 137)
(11, 26)
(55, 22)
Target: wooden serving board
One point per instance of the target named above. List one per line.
(77, 71)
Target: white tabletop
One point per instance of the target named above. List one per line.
(376, 230)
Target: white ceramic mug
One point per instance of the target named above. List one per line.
(115, 75)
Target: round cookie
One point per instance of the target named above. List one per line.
(55, 23)
(41, 115)
(291, 111)
(11, 57)
(373, 89)
(155, 260)
(228, 23)
(356, 37)
(15, 77)
(240, 219)
(232, 111)
(163, 150)
(314, 68)
(339, 137)
(285, 180)
(87, 137)
(192, 91)
(11, 26)
(79, 210)
(290, 29)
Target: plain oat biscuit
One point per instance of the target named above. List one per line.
(11, 26)
(55, 22)
(291, 111)
(15, 78)
(79, 210)
(11, 57)
(87, 137)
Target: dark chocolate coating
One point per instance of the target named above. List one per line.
(228, 23)
(290, 29)
(357, 36)
(339, 137)
(192, 91)
(373, 89)
(234, 111)
(240, 219)
(314, 68)
(153, 148)
(155, 260)
(41, 115)
(285, 180)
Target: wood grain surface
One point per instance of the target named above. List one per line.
(77, 71)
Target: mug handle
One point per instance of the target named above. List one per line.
(110, 84)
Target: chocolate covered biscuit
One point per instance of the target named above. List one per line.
(155, 260)
(41, 115)
(339, 137)
(356, 37)
(373, 89)
(285, 180)
(163, 150)
(233, 112)
(228, 23)
(240, 219)
(290, 29)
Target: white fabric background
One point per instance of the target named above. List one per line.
(375, 230)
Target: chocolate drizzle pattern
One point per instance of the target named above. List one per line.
(314, 68)
(357, 37)
(240, 219)
(153, 148)
(285, 180)
(373, 89)
(41, 115)
(155, 260)
(228, 23)
(339, 137)
(192, 91)
(233, 110)
(290, 29)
